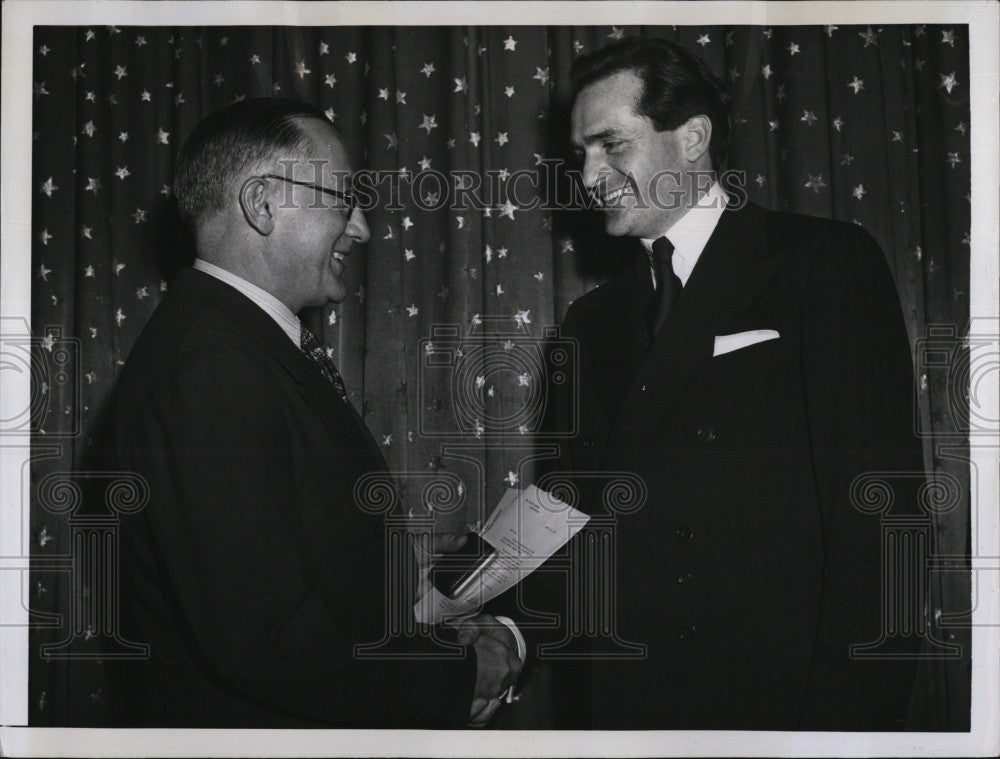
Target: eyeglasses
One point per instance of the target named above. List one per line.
(348, 197)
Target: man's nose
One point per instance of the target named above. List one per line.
(357, 227)
(594, 171)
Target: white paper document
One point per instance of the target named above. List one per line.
(525, 529)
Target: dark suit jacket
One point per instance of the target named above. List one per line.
(748, 573)
(252, 573)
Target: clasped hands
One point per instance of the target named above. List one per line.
(497, 662)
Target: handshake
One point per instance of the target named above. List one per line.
(499, 654)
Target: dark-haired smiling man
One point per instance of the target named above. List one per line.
(747, 366)
(252, 573)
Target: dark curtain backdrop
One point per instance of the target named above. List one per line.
(864, 124)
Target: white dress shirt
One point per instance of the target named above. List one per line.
(270, 305)
(690, 234)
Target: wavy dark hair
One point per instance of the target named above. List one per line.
(676, 85)
(226, 142)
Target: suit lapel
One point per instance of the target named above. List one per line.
(261, 329)
(620, 342)
(732, 269)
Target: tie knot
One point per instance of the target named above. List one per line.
(663, 248)
(663, 264)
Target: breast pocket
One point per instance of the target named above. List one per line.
(773, 350)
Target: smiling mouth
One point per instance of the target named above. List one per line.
(611, 199)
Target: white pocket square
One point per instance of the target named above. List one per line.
(730, 343)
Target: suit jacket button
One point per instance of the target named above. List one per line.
(684, 534)
(688, 632)
(706, 434)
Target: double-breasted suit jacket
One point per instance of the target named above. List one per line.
(748, 573)
(252, 572)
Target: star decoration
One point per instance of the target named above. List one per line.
(508, 91)
(122, 171)
(85, 232)
(703, 40)
(330, 114)
(412, 310)
(768, 33)
(870, 37)
(857, 85)
(392, 141)
(577, 46)
(566, 245)
(510, 43)
(425, 163)
(44, 271)
(48, 187)
(408, 254)
(351, 57)
(39, 89)
(501, 139)
(507, 209)
(254, 59)
(773, 124)
(780, 93)
(793, 48)
(760, 180)
(542, 75)
(830, 29)
(44, 50)
(539, 276)
(815, 183)
(948, 37)
(163, 137)
(837, 123)
(400, 97)
(616, 33)
(461, 85)
(734, 73)
(960, 127)
(139, 216)
(145, 97)
(897, 136)
(324, 48)
(954, 159)
(809, 117)
(90, 35)
(522, 318)
(383, 93)
(429, 122)
(949, 82)
(89, 129)
(120, 72)
(511, 479)
(474, 138)
(118, 269)
(93, 185)
(859, 191)
(766, 71)
(846, 159)
(407, 223)
(329, 80)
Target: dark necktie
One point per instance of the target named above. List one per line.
(314, 351)
(668, 286)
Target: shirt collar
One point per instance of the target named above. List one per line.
(270, 305)
(691, 232)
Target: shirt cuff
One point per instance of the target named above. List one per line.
(522, 654)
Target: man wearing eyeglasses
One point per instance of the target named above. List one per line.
(252, 573)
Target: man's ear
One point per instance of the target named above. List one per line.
(257, 208)
(696, 137)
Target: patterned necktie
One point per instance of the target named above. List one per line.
(314, 351)
(668, 286)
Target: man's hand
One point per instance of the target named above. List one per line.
(497, 664)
